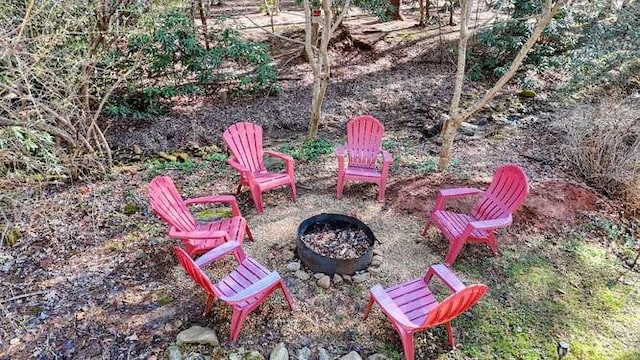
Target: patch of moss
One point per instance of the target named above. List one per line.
(130, 208)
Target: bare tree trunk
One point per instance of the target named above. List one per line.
(203, 18)
(421, 2)
(319, 58)
(395, 14)
(457, 115)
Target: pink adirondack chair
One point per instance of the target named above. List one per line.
(244, 289)
(364, 137)
(507, 191)
(412, 307)
(245, 143)
(196, 238)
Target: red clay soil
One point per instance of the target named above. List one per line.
(550, 202)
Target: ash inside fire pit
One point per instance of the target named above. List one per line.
(337, 243)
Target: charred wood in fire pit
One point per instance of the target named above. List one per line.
(344, 243)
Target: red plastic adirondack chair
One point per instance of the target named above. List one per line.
(245, 143)
(364, 137)
(507, 191)
(245, 288)
(412, 307)
(196, 238)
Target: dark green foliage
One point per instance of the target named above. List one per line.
(608, 58)
(175, 61)
(498, 46)
(308, 150)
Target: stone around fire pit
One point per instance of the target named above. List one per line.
(335, 243)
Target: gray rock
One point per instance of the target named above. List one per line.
(173, 353)
(351, 356)
(374, 270)
(360, 278)
(377, 357)
(253, 355)
(347, 278)
(280, 352)
(377, 251)
(469, 129)
(197, 335)
(195, 356)
(302, 275)
(318, 276)
(324, 282)
(304, 353)
(293, 266)
(323, 354)
(375, 262)
(337, 279)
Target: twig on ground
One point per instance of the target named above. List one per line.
(18, 297)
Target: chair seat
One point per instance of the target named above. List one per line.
(269, 180)
(246, 274)
(362, 172)
(452, 225)
(234, 226)
(413, 298)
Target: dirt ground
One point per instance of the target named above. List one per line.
(85, 280)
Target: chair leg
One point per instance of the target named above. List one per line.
(426, 227)
(452, 342)
(340, 186)
(407, 344)
(287, 295)
(208, 304)
(381, 191)
(492, 244)
(249, 234)
(293, 190)
(236, 323)
(455, 247)
(367, 310)
(256, 194)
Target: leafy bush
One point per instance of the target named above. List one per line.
(497, 46)
(308, 150)
(602, 145)
(607, 59)
(176, 61)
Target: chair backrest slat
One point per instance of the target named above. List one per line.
(167, 203)
(364, 138)
(195, 272)
(507, 191)
(455, 305)
(245, 143)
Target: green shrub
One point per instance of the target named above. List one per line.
(308, 150)
(175, 61)
(498, 46)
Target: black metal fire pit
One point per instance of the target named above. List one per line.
(327, 265)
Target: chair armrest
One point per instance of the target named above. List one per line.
(236, 165)
(390, 308)
(229, 199)
(288, 160)
(278, 155)
(213, 255)
(458, 192)
(254, 289)
(446, 275)
(386, 156)
(491, 224)
(444, 194)
(341, 151)
(198, 234)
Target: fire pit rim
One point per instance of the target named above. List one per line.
(329, 265)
